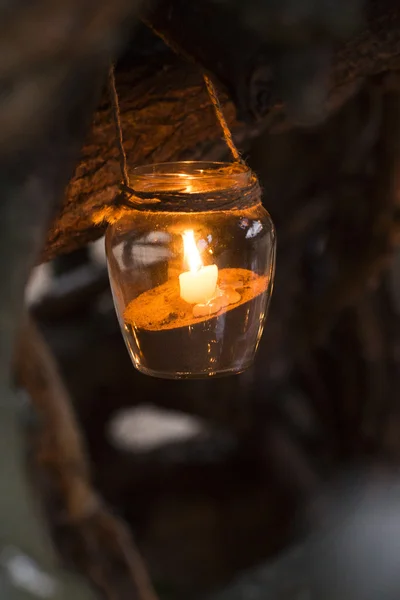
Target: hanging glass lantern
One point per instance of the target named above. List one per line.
(191, 266)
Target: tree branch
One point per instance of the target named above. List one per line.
(83, 527)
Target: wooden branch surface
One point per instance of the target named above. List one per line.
(165, 116)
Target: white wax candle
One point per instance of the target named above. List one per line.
(198, 287)
(199, 284)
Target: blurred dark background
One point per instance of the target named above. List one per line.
(223, 481)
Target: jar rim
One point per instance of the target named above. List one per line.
(222, 175)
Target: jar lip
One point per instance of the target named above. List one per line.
(170, 174)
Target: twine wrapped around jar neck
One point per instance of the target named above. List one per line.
(232, 196)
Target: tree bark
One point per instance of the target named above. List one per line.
(165, 116)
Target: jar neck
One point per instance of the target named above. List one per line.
(187, 187)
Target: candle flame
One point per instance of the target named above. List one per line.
(190, 251)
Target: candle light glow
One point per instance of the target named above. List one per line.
(190, 251)
(199, 284)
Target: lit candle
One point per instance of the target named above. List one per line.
(199, 284)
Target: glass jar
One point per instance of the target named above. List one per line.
(191, 267)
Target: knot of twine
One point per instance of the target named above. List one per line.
(130, 199)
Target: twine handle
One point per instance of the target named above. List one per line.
(212, 92)
(111, 213)
(117, 122)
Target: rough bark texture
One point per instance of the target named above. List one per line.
(161, 122)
